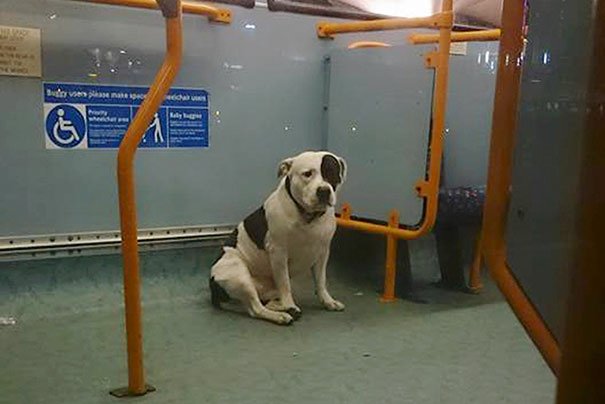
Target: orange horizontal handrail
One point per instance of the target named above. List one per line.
(366, 227)
(213, 13)
(440, 20)
(471, 36)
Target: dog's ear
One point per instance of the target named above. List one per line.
(284, 167)
(343, 169)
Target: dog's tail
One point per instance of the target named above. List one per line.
(218, 295)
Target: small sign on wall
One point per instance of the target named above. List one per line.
(458, 48)
(84, 116)
(20, 51)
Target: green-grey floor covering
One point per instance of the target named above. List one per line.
(68, 343)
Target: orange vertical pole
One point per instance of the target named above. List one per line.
(171, 9)
(475, 284)
(391, 261)
(499, 181)
(429, 189)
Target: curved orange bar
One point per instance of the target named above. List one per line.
(213, 13)
(368, 44)
(475, 36)
(126, 188)
(525, 311)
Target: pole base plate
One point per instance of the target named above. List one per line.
(123, 392)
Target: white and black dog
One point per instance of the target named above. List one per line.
(290, 233)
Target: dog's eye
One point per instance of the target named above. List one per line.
(308, 174)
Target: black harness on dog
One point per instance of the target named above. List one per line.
(307, 216)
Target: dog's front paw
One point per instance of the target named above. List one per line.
(276, 305)
(333, 305)
(284, 319)
(295, 312)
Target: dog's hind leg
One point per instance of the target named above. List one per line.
(232, 276)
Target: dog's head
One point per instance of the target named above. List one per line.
(312, 179)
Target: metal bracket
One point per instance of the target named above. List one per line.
(431, 60)
(422, 188)
(224, 16)
(321, 30)
(445, 19)
(170, 8)
(346, 211)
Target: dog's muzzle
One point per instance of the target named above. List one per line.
(323, 195)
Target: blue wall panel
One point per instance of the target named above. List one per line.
(268, 84)
(266, 94)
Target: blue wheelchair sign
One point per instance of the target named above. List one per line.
(65, 126)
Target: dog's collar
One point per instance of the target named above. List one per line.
(307, 216)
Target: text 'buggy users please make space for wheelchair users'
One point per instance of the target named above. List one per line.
(83, 116)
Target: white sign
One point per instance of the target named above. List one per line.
(458, 48)
(20, 51)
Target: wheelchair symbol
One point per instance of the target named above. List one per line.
(65, 126)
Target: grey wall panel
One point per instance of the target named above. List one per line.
(469, 115)
(548, 145)
(379, 112)
(379, 118)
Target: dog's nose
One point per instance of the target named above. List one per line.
(323, 194)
